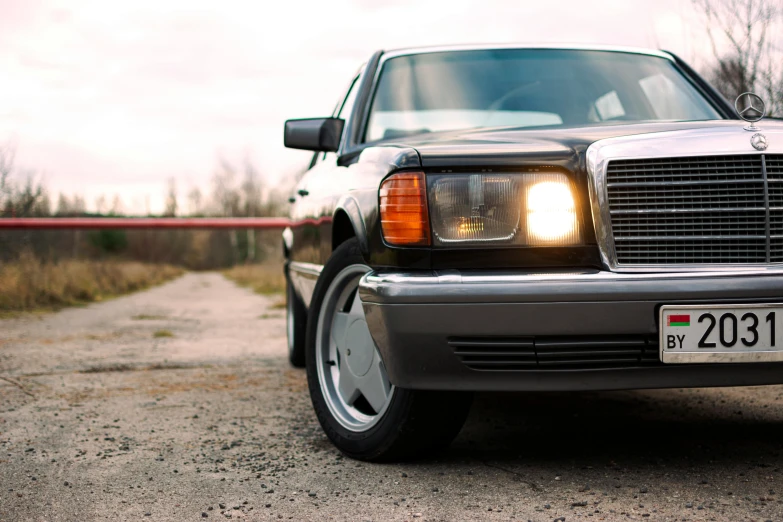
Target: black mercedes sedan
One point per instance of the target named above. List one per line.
(522, 218)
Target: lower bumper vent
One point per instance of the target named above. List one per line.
(557, 353)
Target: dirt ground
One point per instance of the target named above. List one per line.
(177, 404)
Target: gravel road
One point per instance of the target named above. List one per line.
(177, 404)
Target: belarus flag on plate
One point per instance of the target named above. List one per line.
(678, 320)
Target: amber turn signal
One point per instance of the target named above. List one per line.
(404, 218)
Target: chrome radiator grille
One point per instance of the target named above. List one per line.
(774, 165)
(697, 210)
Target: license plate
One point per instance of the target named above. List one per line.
(721, 333)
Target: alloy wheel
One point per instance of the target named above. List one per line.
(350, 370)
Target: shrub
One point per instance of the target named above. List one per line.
(263, 279)
(29, 283)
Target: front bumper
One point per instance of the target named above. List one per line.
(581, 330)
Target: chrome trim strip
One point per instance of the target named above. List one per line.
(684, 210)
(523, 46)
(306, 268)
(726, 139)
(685, 183)
(449, 276)
(663, 238)
(716, 357)
(595, 276)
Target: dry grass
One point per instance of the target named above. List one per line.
(263, 279)
(30, 284)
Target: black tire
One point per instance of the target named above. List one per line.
(296, 325)
(415, 422)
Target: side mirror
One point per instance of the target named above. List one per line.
(316, 134)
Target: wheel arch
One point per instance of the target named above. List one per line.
(348, 223)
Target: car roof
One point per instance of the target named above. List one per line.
(522, 46)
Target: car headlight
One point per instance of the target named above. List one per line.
(551, 212)
(533, 209)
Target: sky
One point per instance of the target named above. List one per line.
(114, 98)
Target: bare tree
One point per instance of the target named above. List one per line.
(171, 198)
(741, 34)
(63, 206)
(227, 198)
(30, 199)
(100, 204)
(20, 198)
(7, 156)
(252, 203)
(117, 208)
(78, 206)
(224, 192)
(195, 200)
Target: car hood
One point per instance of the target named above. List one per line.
(510, 146)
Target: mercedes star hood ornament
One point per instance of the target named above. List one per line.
(751, 108)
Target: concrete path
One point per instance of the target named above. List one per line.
(177, 404)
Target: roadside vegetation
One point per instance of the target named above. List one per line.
(237, 190)
(31, 284)
(50, 269)
(266, 279)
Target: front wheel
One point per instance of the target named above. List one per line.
(362, 413)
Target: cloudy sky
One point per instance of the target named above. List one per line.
(111, 97)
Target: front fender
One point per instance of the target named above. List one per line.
(351, 208)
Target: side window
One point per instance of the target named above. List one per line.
(350, 98)
(343, 110)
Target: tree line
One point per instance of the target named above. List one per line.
(236, 190)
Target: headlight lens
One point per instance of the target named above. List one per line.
(474, 208)
(551, 212)
(535, 209)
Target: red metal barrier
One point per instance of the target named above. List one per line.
(150, 223)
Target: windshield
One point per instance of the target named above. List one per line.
(526, 88)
